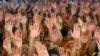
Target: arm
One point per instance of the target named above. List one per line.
(7, 46)
(75, 48)
(41, 49)
(24, 21)
(76, 36)
(8, 37)
(55, 34)
(34, 33)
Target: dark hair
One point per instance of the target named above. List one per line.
(53, 51)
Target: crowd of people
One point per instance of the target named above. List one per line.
(51, 28)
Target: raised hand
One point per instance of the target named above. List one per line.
(9, 25)
(85, 7)
(85, 34)
(48, 23)
(62, 52)
(24, 19)
(90, 26)
(55, 35)
(74, 8)
(76, 34)
(97, 9)
(34, 30)
(76, 31)
(97, 36)
(54, 5)
(18, 16)
(81, 13)
(37, 19)
(17, 42)
(10, 17)
(41, 49)
(53, 18)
